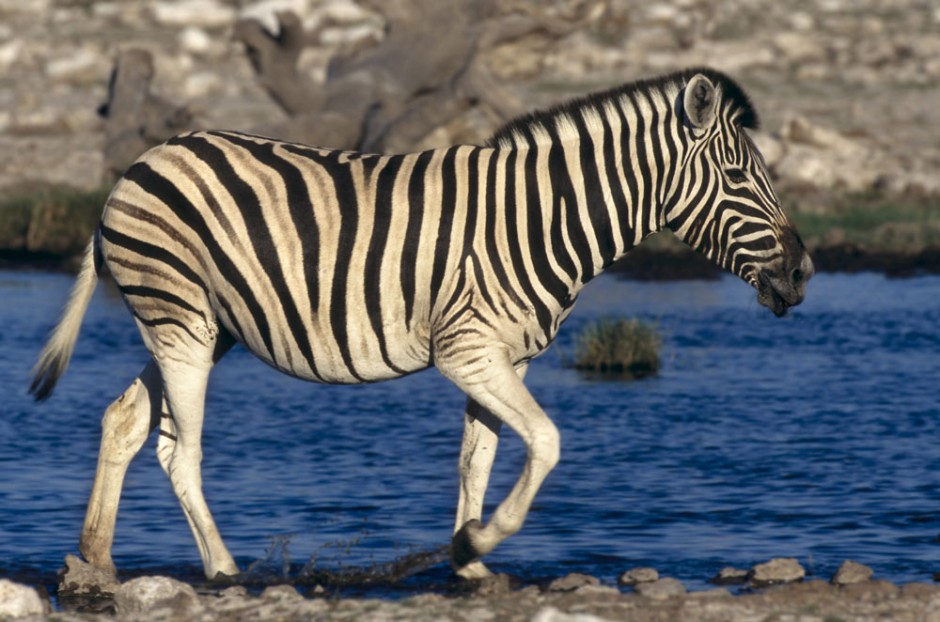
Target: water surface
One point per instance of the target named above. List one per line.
(816, 436)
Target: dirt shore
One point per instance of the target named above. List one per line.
(576, 598)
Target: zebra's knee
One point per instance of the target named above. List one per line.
(127, 423)
(545, 449)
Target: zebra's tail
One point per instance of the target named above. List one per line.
(55, 356)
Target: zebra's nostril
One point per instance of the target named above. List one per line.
(796, 277)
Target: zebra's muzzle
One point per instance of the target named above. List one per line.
(780, 290)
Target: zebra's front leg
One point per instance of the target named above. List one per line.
(492, 382)
(127, 423)
(477, 452)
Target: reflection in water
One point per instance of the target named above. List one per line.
(815, 436)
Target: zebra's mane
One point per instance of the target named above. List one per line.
(734, 99)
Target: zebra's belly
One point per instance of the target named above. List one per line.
(351, 356)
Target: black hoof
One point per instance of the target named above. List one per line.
(462, 551)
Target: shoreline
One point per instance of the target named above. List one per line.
(644, 263)
(642, 596)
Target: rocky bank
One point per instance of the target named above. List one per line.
(847, 89)
(774, 590)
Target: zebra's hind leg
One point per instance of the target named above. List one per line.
(185, 383)
(127, 423)
(492, 382)
(477, 452)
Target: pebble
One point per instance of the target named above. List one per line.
(852, 572)
(661, 590)
(638, 575)
(492, 585)
(195, 40)
(19, 601)
(730, 576)
(778, 570)
(572, 582)
(551, 614)
(185, 13)
(148, 594)
(281, 593)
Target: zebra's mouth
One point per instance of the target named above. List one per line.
(776, 294)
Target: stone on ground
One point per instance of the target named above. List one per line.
(730, 576)
(778, 570)
(572, 582)
(148, 594)
(79, 578)
(19, 601)
(660, 590)
(852, 572)
(638, 575)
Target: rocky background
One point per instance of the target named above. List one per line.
(848, 90)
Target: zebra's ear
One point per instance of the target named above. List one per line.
(701, 102)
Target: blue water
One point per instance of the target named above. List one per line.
(816, 436)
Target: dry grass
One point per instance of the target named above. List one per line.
(618, 348)
(52, 220)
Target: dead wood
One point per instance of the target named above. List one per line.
(134, 118)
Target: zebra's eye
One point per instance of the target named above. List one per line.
(736, 175)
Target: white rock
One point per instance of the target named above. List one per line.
(205, 13)
(9, 53)
(735, 57)
(18, 601)
(800, 130)
(81, 63)
(661, 590)
(106, 9)
(802, 21)
(551, 614)
(778, 570)
(37, 7)
(195, 40)
(852, 572)
(281, 593)
(202, 84)
(638, 575)
(267, 10)
(151, 593)
(343, 12)
(662, 13)
(348, 35)
(769, 147)
(799, 47)
(572, 582)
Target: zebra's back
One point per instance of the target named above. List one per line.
(213, 227)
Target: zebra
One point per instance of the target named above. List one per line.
(344, 267)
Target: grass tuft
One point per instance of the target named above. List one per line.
(52, 220)
(618, 348)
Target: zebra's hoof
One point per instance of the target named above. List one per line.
(474, 571)
(462, 549)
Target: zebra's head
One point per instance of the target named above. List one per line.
(726, 207)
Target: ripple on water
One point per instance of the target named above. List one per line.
(815, 437)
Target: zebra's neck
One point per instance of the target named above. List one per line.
(596, 179)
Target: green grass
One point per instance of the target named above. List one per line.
(618, 348)
(868, 220)
(53, 220)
